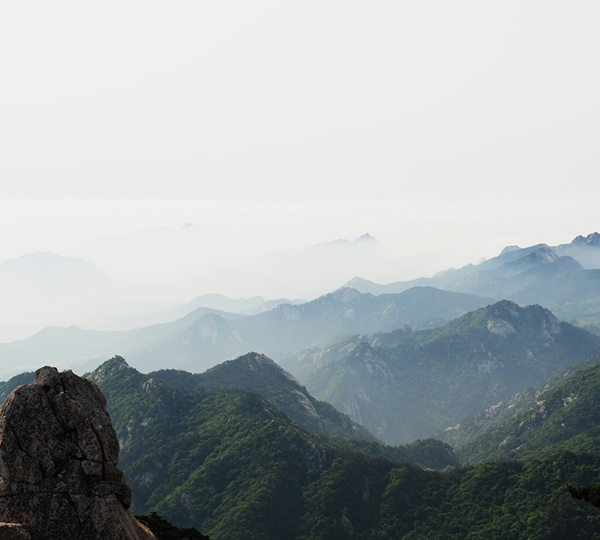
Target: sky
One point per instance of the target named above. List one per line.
(447, 130)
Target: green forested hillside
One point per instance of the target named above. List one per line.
(259, 374)
(228, 463)
(406, 385)
(562, 417)
(234, 466)
(506, 410)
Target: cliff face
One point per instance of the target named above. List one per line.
(58, 464)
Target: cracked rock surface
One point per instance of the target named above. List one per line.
(58, 464)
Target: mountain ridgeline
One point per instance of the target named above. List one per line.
(437, 408)
(220, 451)
(204, 338)
(406, 385)
(564, 279)
(259, 374)
(233, 465)
(229, 461)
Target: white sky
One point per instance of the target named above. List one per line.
(445, 129)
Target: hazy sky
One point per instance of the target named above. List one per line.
(445, 129)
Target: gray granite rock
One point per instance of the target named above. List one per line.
(58, 464)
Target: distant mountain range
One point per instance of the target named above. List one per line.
(44, 288)
(406, 385)
(137, 314)
(564, 279)
(306, 272)
(245, 449)
(206, 337)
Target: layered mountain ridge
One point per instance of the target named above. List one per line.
(246, 449)
(204, 338)
(405, 385)
(563, 278)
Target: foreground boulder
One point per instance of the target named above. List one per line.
(58, 464)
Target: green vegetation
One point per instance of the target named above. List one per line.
(564, 417)
(589, 494)
(259, 374)
(505, 411)
(406, 385)
(232, 465)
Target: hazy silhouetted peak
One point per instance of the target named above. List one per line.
(569, 263)
(508, 249)
(517, 250)
(224, 303)
(544, 249)
(592, 239)
(201, 317)
(344, 294)
(542, 254)
(366, 238)
(357, 283)
(584, 250)
(50, 264)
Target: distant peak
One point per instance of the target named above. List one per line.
(366, 238)
(592, 239)
(544, 253)
(508, 249)
(345, 294)
(357, 281)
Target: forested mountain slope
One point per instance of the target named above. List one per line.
(234, 466)
(407, 385)
(560, 417)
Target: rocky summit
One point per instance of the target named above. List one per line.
(58, 464)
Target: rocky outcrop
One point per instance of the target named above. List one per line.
(58, 464)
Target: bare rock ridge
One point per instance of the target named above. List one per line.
(58, 464)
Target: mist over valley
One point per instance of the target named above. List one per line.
(306, 271)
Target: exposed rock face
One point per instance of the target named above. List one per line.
(58, 464)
